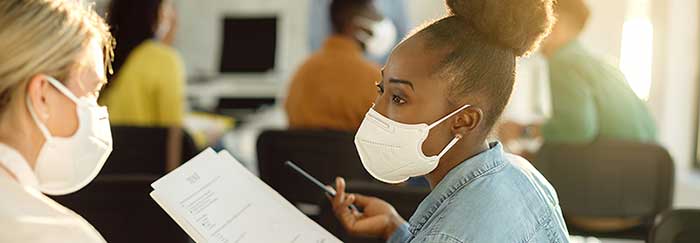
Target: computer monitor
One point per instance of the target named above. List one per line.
(249, 44)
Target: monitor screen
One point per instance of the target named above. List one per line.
(249, 44)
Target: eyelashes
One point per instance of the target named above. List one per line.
(395, 98)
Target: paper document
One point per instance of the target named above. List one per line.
(215, 199)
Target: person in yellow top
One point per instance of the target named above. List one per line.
(334, 88)
(148, 83)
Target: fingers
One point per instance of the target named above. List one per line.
(341, 205)
(340, 187)
(362, 200)
(339, 193)
(342, 201)
(348, 217)
(348, 201)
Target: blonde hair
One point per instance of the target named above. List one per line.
(45, 37)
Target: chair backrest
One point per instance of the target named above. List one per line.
(677, 226)
(119, 207)
(609, 178)
(142, 150)
(323, 154)
(405, 200)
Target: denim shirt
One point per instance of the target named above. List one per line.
(491, 197)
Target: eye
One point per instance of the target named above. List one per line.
(398, 100)
(380, 88)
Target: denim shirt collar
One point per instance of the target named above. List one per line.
(457, 178)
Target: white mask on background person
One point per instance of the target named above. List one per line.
(382, 38)
(66, 164)
(392, 151)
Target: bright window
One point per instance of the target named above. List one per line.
(637, 48)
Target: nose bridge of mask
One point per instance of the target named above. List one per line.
(390, 125)
(431, 126)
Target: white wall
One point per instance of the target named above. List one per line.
(674, 91)
(603, 34)
(421, 11)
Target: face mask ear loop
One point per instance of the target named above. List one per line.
(42, 127)
(450, 145)
(62, 88)
(448, 116)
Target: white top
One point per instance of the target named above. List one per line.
(27, 215)
(531, 100)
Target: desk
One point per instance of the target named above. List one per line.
(206, 95)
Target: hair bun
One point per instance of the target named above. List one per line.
(516, 24)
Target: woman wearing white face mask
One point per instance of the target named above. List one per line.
(54, 138)
(442, 91)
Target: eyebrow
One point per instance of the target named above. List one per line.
(400, 81)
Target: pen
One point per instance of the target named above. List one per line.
(315, 181)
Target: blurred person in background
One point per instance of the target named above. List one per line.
(147, 88)
(591, 98)
(333, 88)
(394, 12)
(54, 138)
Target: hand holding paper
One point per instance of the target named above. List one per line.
(215, 199)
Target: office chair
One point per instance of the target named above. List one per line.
(323, 154)
(677, 226)
(405, 200)
(141, 150)
(615, 179)
(119, 207)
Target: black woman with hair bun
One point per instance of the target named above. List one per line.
(442, 90)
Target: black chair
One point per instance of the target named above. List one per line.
(610, 179)
(677, 226)
(405, 200)
(324, 154)
(141, 150)
(120, 208)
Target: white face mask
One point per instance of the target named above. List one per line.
(67, 164)
(383, 36)
(392, 151)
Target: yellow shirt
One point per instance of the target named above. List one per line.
(148, 90)
(333, 89)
